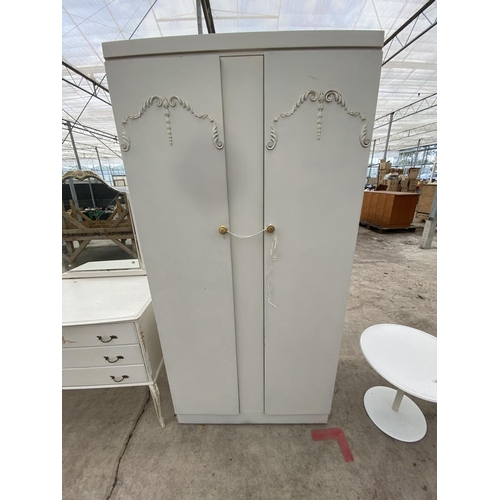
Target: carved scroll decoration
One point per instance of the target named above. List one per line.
(167, 103)
(322, 97)
(143, 340)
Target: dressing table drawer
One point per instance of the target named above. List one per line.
(104, 376)
(84, 357)
(99, 335)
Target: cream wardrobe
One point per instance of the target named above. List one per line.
(235, 133)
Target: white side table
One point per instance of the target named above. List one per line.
(406, 358)
(110, 337)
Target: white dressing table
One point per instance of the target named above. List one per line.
(109, 335)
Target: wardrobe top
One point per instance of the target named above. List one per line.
(255, 41)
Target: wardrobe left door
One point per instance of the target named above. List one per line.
(173, 153)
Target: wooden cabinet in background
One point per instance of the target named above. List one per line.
(426, 198)
(389, 209)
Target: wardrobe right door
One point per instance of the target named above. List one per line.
(318, 113)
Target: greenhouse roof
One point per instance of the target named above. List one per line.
(408, 86)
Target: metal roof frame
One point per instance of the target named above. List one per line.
(401, 39)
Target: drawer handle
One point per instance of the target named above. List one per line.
(116, 359)
(106, 341)
(116, 380)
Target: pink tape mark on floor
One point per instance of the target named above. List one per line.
(338, 435)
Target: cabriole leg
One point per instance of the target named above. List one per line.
(155, 394)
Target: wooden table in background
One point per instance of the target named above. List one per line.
(389, 209)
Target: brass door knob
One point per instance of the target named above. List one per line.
(223, 230)
(270, 228)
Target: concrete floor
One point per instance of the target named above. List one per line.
(115, 449)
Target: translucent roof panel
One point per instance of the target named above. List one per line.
(409, 70)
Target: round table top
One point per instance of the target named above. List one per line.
(404, 356)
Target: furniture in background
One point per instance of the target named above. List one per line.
(109, 335)
(388, 209)
(407, 359)
(427, 194)
(100, 212)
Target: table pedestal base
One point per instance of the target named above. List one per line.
(406, 424)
